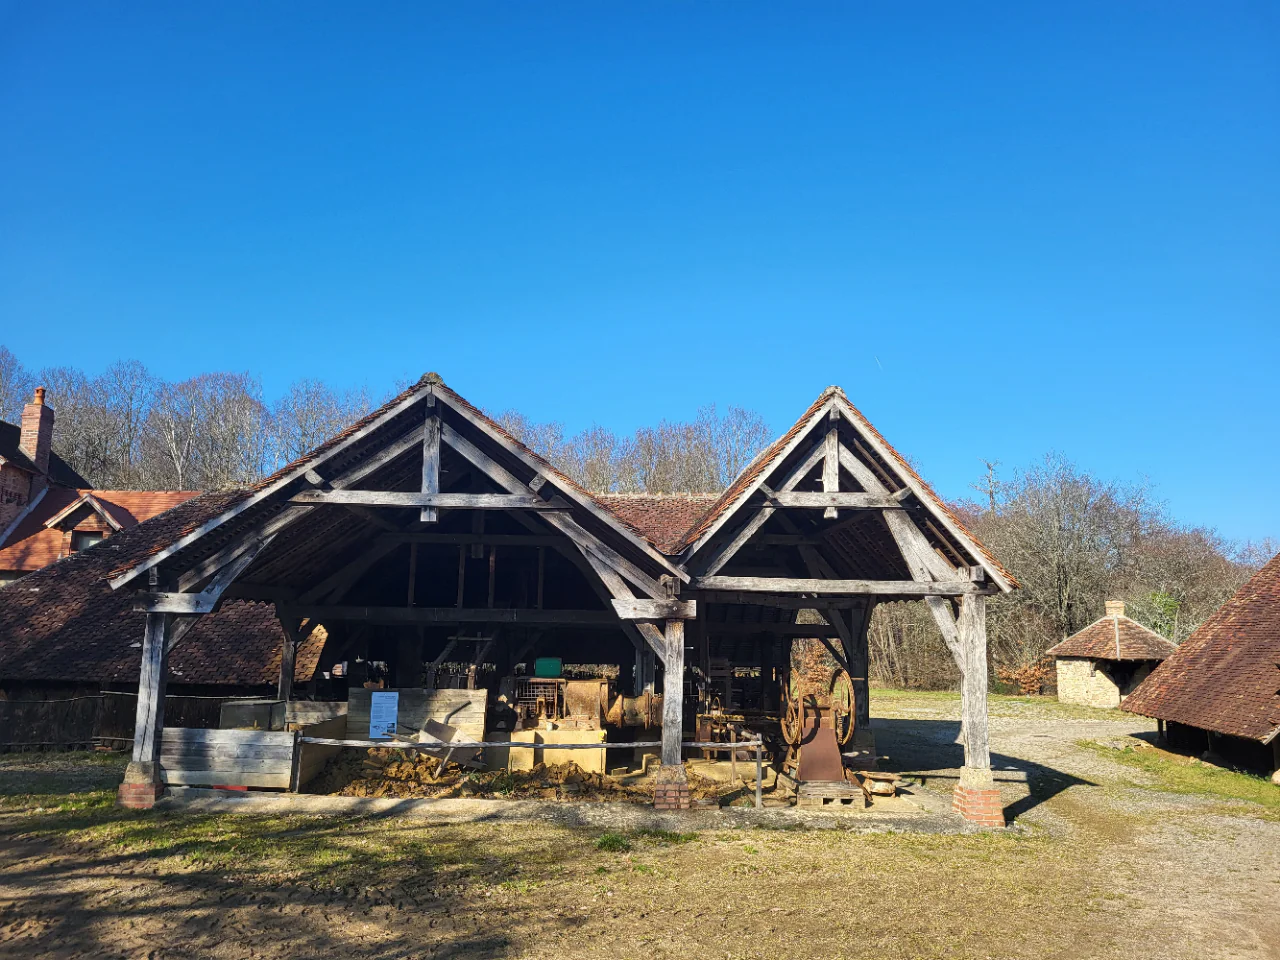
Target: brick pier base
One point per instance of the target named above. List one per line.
(977, 799)
(142, 786)
(139, 796)
(671, 789)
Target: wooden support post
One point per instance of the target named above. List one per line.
(859, 654)
(431, 461)
(831, 465)
(288, 659)
(413, 573)
(673, 694)
(142, 779)
(977, 798)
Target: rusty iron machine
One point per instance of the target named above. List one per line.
(816, 726)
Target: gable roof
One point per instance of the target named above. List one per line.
(748, 482)
(35, 539)
(334, 447)
(1114, 638)
(64, 622)
(60, 471)
(1225, 677)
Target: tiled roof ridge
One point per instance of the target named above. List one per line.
(1075, 645)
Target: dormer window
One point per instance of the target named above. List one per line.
(81, 539)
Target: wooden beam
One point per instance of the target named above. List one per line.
(818, 498)
(546, 473)
(778, 601)
(831, 465)
(727, 552)
(447, 615)
(180, 627)
(450, 501)
(480, 539)
(208, 598)
(906, 479)
(349, 477)
(874, 588)
(149, 718)
(972, 625)
(562, 522)
(431, 462)
(344, 577)
(656, 609)
(673, 694)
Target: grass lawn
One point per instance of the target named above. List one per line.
(80, 876)
(1175, 773)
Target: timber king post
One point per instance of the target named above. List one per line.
(426, 521)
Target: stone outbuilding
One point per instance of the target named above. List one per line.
(1105, 662)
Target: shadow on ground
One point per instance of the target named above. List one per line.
(927, 751)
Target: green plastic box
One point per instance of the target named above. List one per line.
(547, 667)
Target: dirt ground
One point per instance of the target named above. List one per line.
(1118, 850)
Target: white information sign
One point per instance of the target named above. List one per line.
(384, 707)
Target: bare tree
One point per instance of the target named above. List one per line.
(16, 385)
(312, 412)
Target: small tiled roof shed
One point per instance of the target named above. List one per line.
(1225, 677)
(1114, 637)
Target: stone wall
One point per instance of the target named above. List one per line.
(1086, 682)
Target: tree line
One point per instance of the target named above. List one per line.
(127, 428)
(1073, 540)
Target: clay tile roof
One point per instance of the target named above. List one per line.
(65, 623)
(32, 545)
(1225, 677)
(662, 519)
(1114, 638)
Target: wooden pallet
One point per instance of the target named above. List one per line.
(830, 793)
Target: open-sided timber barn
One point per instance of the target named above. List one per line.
(425, 532)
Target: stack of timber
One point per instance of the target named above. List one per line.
(461, 709)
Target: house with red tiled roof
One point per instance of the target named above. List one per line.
(65, 637)
(48, 510)
(1105, 662)
(1221, 689)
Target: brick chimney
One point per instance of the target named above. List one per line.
(1115, 608)
(37, 431)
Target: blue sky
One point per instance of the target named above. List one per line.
(1003, 229)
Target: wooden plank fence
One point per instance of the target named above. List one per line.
(242, 758)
